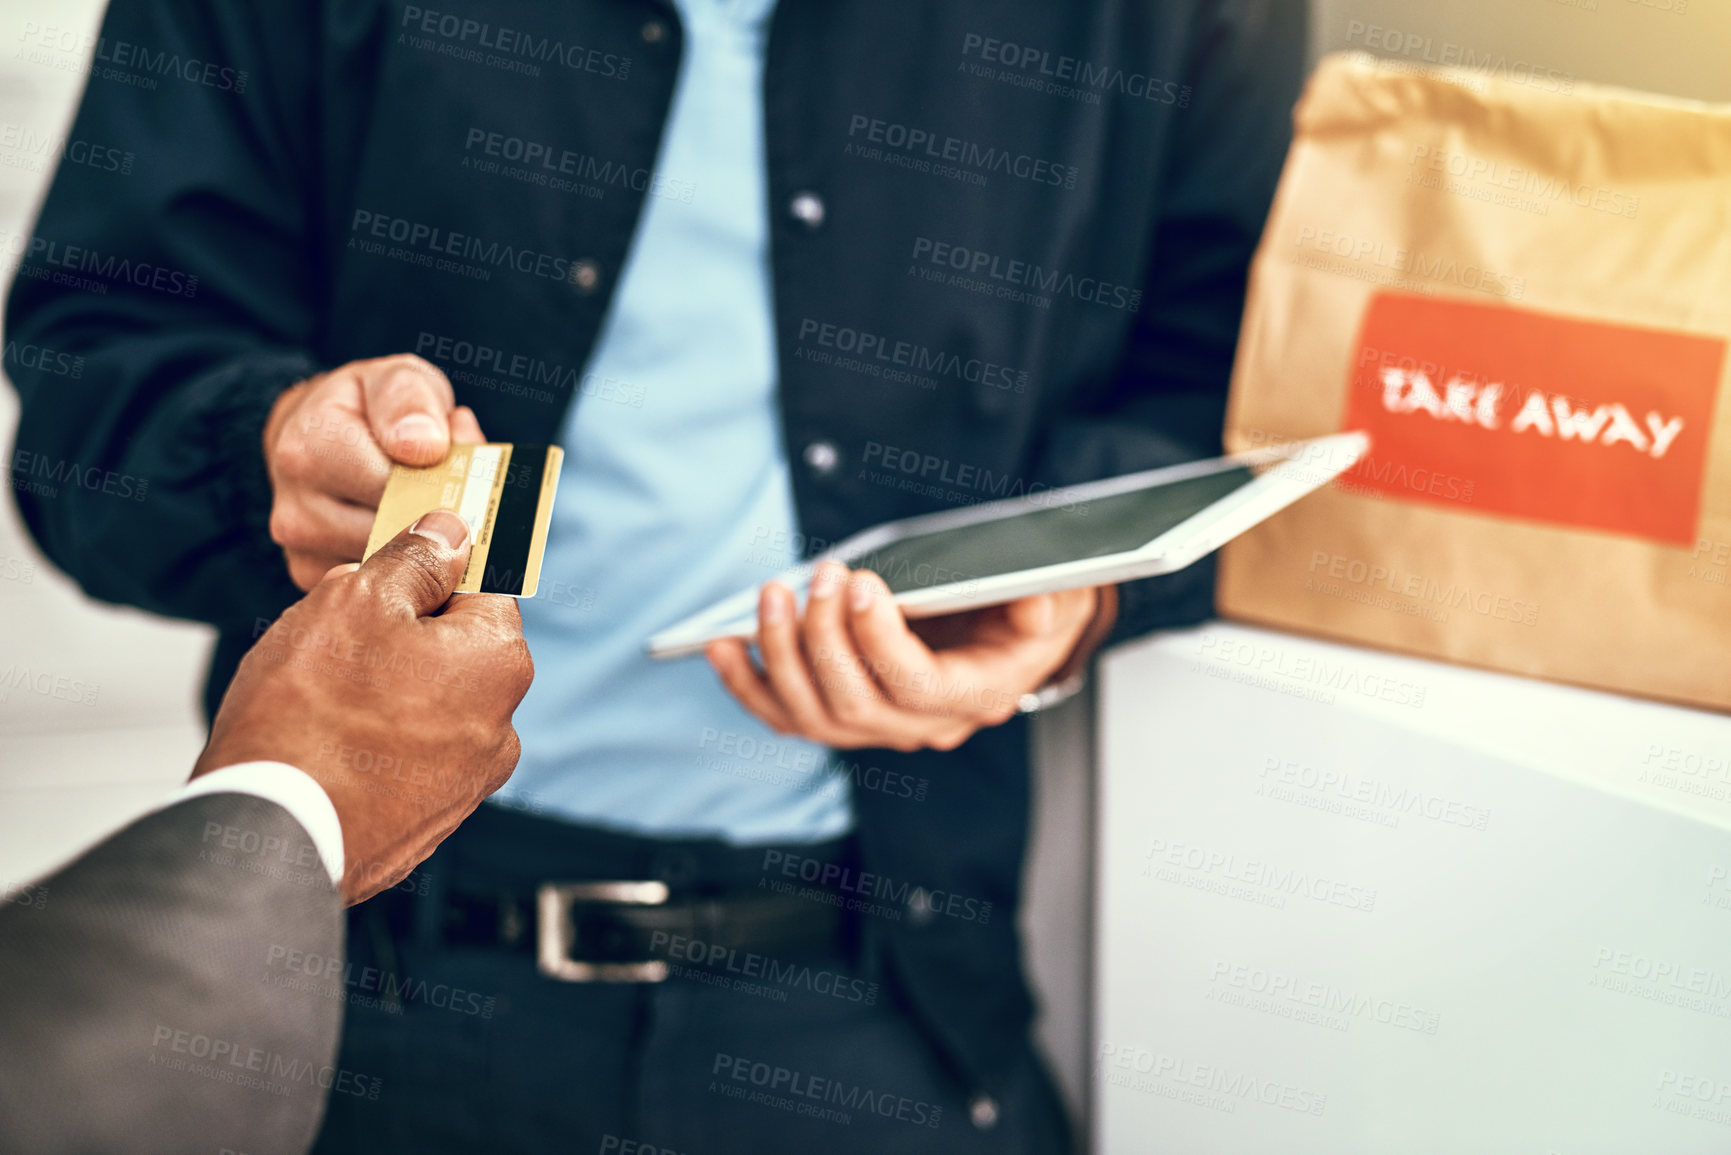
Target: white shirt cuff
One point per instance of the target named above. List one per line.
(292, 789)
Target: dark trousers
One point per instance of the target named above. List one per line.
(475, 1050)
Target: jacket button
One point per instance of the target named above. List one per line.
(822, 457)
(806, 208)
(585, 275)
(983, 1110)
(654, 32)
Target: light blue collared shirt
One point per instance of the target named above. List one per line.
(675, 493)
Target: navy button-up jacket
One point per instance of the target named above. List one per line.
(1009, 247)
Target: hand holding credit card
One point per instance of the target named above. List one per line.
(503, 492)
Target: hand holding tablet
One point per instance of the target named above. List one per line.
(1094, 534)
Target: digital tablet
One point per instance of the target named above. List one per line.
(1096, 533)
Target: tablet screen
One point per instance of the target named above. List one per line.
(1049, 536)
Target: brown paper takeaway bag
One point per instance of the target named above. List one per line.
(1524, 297)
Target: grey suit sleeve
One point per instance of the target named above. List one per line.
(153, 994)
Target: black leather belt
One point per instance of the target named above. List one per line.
(627, 930)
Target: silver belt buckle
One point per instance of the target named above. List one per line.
(556, 931)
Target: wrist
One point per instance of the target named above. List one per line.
(280, 409)
(1067, 680)
(1097, 630)
(245, 395)
(285, 784)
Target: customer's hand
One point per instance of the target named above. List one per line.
(854, 672)
(329, 444)
(402, 713)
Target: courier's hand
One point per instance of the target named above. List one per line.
(855, 673)
(329, 444)
(402, 716)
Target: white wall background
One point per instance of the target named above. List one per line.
(1677, 47)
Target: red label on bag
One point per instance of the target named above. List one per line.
(1506, 410)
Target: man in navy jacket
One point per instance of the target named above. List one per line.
(772, 273)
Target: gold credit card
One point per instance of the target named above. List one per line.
(505, 494)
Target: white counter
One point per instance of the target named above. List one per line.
(1354, 902)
